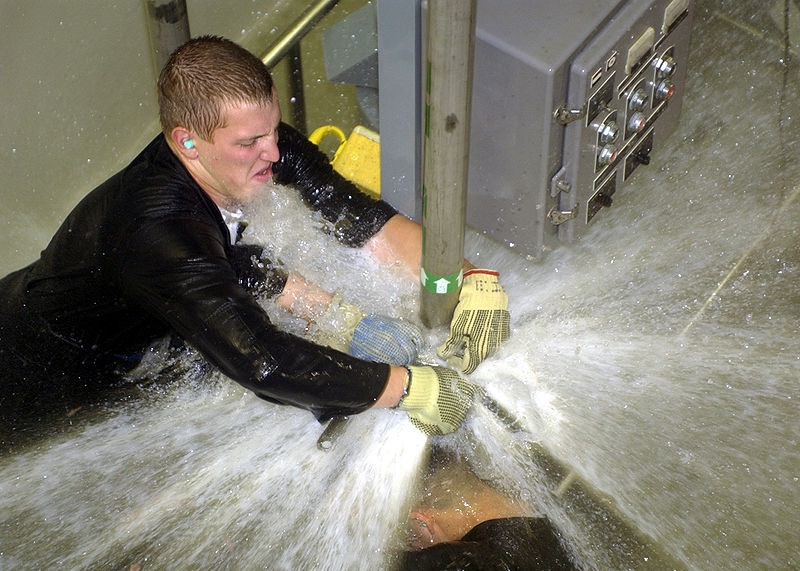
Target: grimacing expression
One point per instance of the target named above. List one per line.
(232, 167)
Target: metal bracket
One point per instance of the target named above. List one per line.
(558, 217)
(332, 431)
(564, 116)
(559, 183)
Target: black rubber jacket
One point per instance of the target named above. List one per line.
(147, 254)
(508, 544)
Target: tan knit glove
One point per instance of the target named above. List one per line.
(437, 399)
(481, 321)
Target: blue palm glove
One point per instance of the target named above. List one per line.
(481, 321)
(376, 338)
(386, 340)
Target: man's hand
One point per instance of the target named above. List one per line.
(437, 399)
(481, 321)
(376, 338)
(386, 340)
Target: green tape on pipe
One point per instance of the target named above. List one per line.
(441, 284)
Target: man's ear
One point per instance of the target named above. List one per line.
(183, 141)
(421, 529)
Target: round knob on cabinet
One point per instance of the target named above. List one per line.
(607, 155)
(665, 90)
(636, 122)
(608, 132)
(638, 100)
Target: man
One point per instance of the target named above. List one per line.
(148, 253)
(461, 522)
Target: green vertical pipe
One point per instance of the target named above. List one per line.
(448, 99)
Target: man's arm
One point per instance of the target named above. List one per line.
(303, 299)
(398, 244)
(178, 271)
(355, 217)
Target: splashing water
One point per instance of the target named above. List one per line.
(209, 478)
(664, 350)
(199, 471)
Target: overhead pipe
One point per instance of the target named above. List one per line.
(297, 31)
(448, 100)
(289, 45)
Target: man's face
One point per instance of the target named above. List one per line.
(238, 162)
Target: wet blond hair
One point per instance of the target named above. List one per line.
(205, 75)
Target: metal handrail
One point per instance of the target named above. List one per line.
(289, 45)
(297, 31)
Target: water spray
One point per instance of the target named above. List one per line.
(735, 269)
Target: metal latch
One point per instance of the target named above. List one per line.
(559, 183)
(557, 217)
(564, 116)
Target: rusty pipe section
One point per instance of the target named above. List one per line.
(448, 102)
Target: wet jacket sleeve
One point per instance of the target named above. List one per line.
(179, 270)
(508, 543)
(355, 216)
(256, 274)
